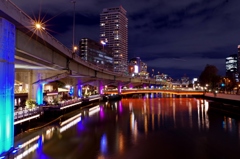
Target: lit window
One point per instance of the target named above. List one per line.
(116, 37)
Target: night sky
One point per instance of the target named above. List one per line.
(175, 37)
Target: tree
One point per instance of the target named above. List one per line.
(210, 76)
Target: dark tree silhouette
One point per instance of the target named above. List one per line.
(210, 76)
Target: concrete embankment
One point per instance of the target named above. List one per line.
(223, 98)
(227, 103)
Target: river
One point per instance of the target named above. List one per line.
(139, 128)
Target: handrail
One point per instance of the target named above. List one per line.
(20, 114)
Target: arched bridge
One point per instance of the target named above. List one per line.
(156, 90)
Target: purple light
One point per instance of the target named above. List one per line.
(119, 89)
(130, 86)
(101, 112)
(120, 106)
(103, 144)
(100, 87)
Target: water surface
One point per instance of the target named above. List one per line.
(140, 129)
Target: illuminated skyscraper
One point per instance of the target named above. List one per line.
(231, 67)
(114, 33)
(238, 60)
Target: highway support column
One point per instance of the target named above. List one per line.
(7, 74)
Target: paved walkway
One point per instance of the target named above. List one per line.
(223, 96)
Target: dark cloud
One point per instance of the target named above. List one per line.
(173, 36)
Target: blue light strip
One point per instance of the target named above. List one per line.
(7, 51)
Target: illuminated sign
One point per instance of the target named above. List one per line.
(136, 69)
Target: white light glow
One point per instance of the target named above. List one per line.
(74, 122)
(94, 110)
(29, 142)
(25, 153)
(26, 119)
(67, 106)
(70, 119)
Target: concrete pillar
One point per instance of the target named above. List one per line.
(39, 94)
(100, 87)
(78, 90)
(30, 85)
(36, 90)
(7, 52)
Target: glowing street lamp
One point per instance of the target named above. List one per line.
(39, 26)
(75, 48)
(103, 43)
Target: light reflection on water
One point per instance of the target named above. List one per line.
(114, 130)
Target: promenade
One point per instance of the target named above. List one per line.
(234, 97)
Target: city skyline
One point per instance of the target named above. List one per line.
(174, 38)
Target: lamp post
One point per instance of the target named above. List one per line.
(74, 48)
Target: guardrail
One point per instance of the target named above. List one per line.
(26, 114)
(173, 91)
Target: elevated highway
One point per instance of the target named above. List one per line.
(37, 50)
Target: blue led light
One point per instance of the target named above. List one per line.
(71, 91)
(80, 92)
(14, 151)
(7, 51)
(40, 94)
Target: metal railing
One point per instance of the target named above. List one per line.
(21, 114)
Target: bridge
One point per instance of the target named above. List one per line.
(156, 90)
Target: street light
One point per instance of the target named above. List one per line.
(73, 37)
(103, 43)
(39, 26)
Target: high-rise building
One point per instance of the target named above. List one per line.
(238, 69)
(95, 53)
(232, 66)
(114, 33)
